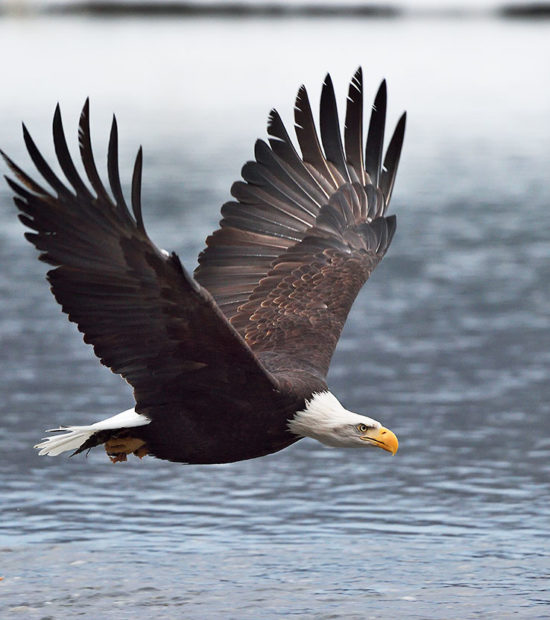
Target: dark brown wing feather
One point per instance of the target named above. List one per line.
(353, 132)
(375, 137)
(146, 318)
(330, 130)
(267, 266)
(391, 161)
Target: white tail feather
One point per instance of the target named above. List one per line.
(75, 436)
(71, 440)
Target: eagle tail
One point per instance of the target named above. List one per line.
(71, 439)
(75, 437)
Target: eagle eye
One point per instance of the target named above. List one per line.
(362, 428)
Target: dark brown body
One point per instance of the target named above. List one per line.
(187, 436)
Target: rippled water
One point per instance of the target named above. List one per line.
(448, 344)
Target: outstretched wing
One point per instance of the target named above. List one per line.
(291, 255)
(146, 318)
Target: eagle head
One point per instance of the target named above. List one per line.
(325, 419)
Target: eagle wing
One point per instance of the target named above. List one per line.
(145, 316)
(306, 231)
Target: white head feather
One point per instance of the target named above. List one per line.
(326, 420)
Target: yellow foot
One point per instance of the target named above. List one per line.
(118, 447)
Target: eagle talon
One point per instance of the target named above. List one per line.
(141, 452)
(117, 458)
(118, 448)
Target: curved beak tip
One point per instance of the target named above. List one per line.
(391, 443)
(383, 438)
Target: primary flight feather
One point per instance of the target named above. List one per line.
(229, 363)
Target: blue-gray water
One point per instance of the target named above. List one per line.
(448, 344)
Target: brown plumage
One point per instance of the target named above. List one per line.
(222, 361)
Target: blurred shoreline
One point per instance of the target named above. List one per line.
(136, 8)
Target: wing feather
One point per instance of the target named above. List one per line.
(307, 137)
(112, 169)
(41, 165)
(136, 192)
(375, 136)
(391, 161)
(64, 157)
(87, 156)
(330, 130)
(353, 131)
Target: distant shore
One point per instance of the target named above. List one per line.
(136, 8)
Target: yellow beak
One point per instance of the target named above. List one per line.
(382, 438)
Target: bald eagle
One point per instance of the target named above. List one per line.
(229, 363)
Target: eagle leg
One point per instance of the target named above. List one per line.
(118, 448)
